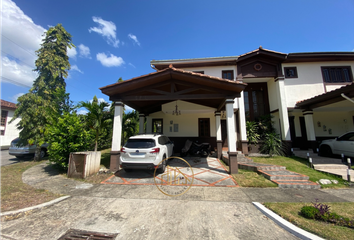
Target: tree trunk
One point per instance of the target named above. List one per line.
(96, 141)
(37, 153)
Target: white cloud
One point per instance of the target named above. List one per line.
(82, 112)
(71, 52)
(76, 68)
(134, 38)
(99, 100)
(107, 29)
(15, 73)
(19, 44)
(14, 98)
(111, 61)
(84, 51)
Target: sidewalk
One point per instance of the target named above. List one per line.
(326, 164)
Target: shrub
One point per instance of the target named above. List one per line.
(67, 135)
(320, 211)
(309, 212)
(252, 132)
(272, 144)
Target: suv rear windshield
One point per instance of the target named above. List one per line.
(140, 143)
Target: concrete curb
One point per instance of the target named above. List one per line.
(298, 232)
(34, 207)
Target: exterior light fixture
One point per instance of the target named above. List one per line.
(176, 111)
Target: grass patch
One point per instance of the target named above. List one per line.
(246, 178)
(17, 195)
(290, 212)
(300, 165)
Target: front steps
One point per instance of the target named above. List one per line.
(277, 174)
(280, 176)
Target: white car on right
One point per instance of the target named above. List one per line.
(340, 145)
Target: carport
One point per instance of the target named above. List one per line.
(326, 116)
(148, 93)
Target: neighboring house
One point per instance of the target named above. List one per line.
(8, 131)
(216, 96)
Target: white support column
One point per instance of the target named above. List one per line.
(242, 124)
(116, 136)
(283, 114)
(231, 136)
(148, 124)
(218, 134)
(310, 129)
(283, 109)
(141, 123)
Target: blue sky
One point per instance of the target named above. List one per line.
(119, 38)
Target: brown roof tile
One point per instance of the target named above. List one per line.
(6, 104)
(176, 70)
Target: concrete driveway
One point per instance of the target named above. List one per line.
(207, 172)
(7, 159)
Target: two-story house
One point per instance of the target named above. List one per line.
(210, 99)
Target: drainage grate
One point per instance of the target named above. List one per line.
(73, 234)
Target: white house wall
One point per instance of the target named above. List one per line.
(11, 131)
(310, 81)
(187, 123)
(214, 71)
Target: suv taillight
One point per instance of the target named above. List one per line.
(155, 150)
(122, 150)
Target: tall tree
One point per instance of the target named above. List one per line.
(97, 117)
(46, 100)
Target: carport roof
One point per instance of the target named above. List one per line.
(327, 98)
(148, 92)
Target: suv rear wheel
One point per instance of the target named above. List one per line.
(163, 168)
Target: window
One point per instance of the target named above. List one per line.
(201, 72)
(204, 127)
(229, 74)
(140, 143)
(3, 121)
(3, 117)
(290, 72)
(337, 74)
(157, 126)
(256, 101)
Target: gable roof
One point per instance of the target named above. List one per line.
(7, 105)
(327, 98)
(233, 60)
(149, 92)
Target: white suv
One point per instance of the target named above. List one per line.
(146, 152)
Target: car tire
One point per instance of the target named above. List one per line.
(163, 168)
(43, 153)
(325, 151)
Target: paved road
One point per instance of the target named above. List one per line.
(7, 159)
(142, 212)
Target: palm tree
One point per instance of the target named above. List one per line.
(130, 126)
(97, 118)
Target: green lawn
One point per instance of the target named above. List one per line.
(290, 212)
